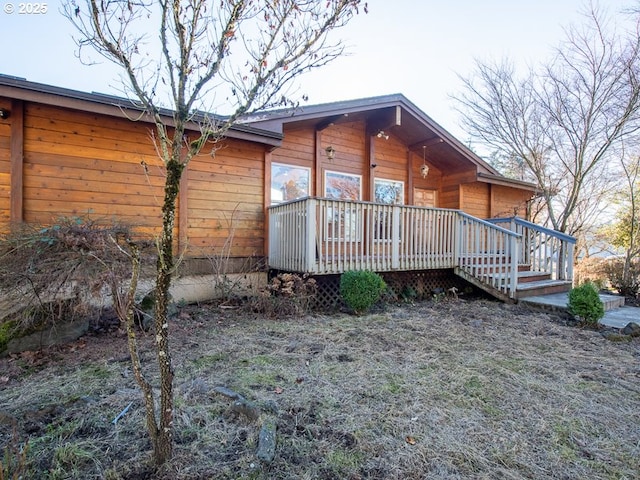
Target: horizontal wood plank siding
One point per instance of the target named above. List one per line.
(5, 165)
(507, 201)
(82, 164)
(297, 148)
(475, 199)
(225, 198)
(348, 140)
(449, 197)
(390, 159)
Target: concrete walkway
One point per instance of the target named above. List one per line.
(616, 315)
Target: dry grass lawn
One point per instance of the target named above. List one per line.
(450, 389)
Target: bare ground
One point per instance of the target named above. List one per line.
(449, 389)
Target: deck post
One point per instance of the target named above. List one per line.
(513, 276)
(569, 261)
(395, 238)
(310, 241)
(457, 239)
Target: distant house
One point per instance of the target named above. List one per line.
(364, 184)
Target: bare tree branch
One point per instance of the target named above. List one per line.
(249, 51)
(563, 119)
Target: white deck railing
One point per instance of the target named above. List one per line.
(323, 236)
(542, 249)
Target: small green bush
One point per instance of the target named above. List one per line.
(361, 289)
(585, 303)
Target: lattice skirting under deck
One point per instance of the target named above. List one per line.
(414, 285)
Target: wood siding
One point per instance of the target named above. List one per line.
(5, 164)
(67, 162)
(449, 197)
(107, 169)
(225, 195)
(297, 148)
(81, 164)
(507, 201)
(390, 157)
(474, 199)
(348, 139)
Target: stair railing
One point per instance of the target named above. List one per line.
(489, 253)
(542, 249)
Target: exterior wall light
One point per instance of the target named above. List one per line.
(4, 113)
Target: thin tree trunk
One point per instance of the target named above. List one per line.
(126, 313)
(163, 443)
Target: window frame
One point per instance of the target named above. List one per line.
(293, 167)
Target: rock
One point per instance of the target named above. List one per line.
(145, 317)
(58, 334)
(270, 406)
(245, 408)
(227, 392)
(266, 451)
(632, 329)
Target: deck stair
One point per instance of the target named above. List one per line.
(529, 283)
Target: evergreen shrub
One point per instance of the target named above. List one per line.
(585, 303)
(361, 289)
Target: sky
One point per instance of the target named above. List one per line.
(414, 47)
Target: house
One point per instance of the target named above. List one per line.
(364, 184)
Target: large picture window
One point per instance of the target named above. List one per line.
(289, 182)
(389, 192)
(343, 221)
(342, 186)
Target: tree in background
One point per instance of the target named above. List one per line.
(624, 232)
(180, 54)
(556, 125)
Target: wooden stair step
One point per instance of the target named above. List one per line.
(542, 287)
(530, 277)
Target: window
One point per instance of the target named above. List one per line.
(389, 192)
(343, 221)
(342, 186)
(289, 182)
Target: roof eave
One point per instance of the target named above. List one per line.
(21, 89)
(507, 182)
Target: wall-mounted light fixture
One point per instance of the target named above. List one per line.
(4, 113)
(424, 169)
(331, 152)
(381, 134)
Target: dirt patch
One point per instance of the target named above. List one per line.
(453, 389)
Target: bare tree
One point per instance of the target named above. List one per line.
(244, 51)
(560, 121)
(624, 231)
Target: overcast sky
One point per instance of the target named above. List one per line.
(413, 47)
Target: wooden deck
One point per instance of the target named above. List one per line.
(323, 236)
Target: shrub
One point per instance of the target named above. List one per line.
(361, 289)
(585, 303)
(51, 273)
(594, 270)
(627, 285)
